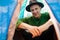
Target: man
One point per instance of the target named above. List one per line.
(37, 26)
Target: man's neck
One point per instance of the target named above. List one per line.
(39, 16)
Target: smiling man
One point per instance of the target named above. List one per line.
(39, 26)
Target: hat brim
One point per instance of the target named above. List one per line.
(38, 3)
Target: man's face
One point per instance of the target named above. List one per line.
(35, 9)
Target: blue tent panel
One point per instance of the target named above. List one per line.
(6, 11)
(55, 7)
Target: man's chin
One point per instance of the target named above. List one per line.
(36, 17)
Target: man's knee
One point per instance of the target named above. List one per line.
(18, 36)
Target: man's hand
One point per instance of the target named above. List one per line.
(34, 31)
(41, 29)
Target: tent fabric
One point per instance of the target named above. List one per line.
(6, 11)
(55, 7)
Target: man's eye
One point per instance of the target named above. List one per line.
(36, 8)
(32, 10)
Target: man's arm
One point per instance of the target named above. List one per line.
(24, 26)
(34, 30)
(45, 26)
(31, 29)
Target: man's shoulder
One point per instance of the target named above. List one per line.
(45, 13)
(25, 18)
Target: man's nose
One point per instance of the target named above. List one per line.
(34, 11)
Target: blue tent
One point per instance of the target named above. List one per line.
(55, 7)
(6, 11)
